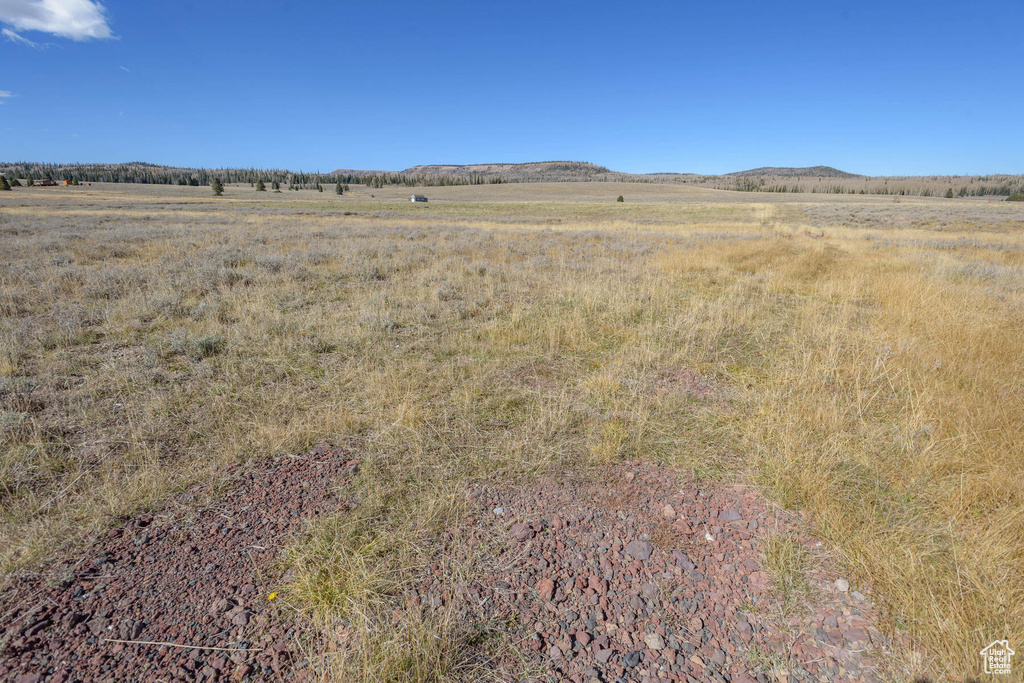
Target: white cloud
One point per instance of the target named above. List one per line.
(75, 19)
(5, 94)
(125, 69)
(15, 38)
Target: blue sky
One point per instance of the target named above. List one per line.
(707, 87)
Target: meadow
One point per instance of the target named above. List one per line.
(872, 349)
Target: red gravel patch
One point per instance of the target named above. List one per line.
(199, 581)
(631, 578)
(618, 581)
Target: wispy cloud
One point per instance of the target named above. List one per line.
(125, 69)
(74, 19)
(5, 95)
(20, 40)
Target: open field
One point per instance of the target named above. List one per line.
(871, 350)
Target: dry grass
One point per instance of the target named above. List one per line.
(873, 352)
(787, 561)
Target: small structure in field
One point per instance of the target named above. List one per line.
(418, 198)
(66, 182)
(46, 182)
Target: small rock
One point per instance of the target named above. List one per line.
(842, 585)
(641, 550)
(682, 560)
(499, 511)
(98, 625)
(242, 618)
(631, 659)
(522, 532)
(668, 512)
(696, 624)
(220, 606)
(655, 642)
(545, 589)
(603, 655)
(855, 635)
(729, 516)
(858, 596)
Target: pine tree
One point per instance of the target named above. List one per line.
(4, 185)
(218, 187)
(338, 189)
(949, 193)
(620, 199)
(260, 187)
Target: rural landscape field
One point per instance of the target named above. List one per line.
(520, 431)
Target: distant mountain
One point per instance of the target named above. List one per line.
(789, 172)
(536, 171)
(562, 171)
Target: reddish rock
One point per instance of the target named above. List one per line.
(729, 516)
(855, 635)
(545, 589)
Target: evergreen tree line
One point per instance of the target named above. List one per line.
(424, 180)
(139, 172)
(150, 174)
(1002, 190)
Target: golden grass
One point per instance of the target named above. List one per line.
(873, 375)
